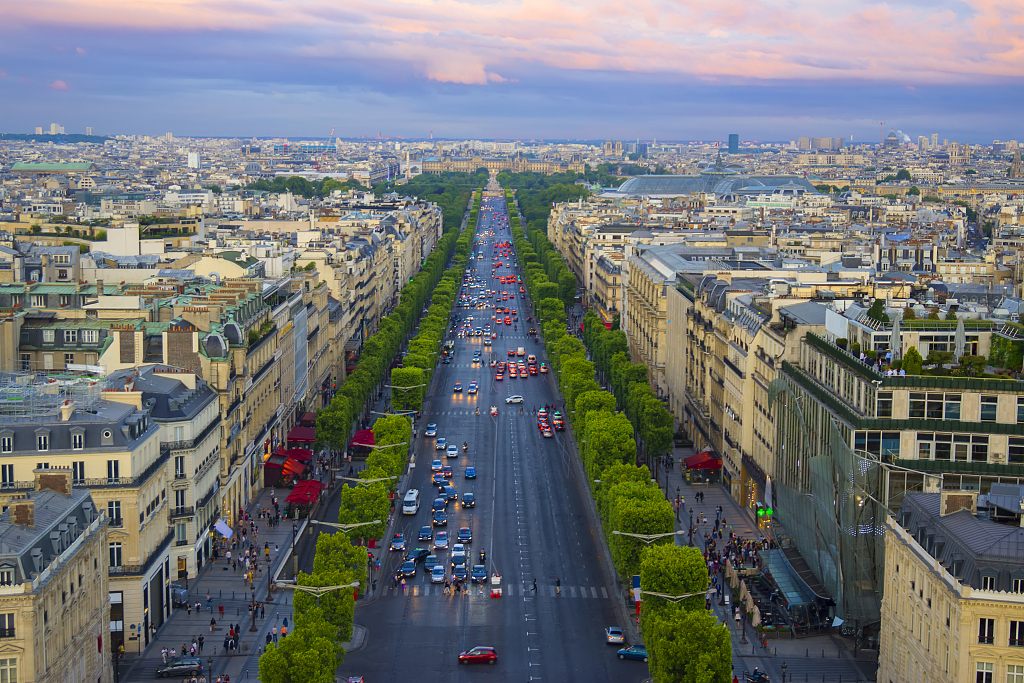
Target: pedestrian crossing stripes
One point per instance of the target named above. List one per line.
(508, 590)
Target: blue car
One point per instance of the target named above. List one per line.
(637, 652)
(470, 473)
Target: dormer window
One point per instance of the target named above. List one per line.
(77, 439)
(42, 439)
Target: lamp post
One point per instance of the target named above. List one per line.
(646, 538)
(209, 668)
(691, 528)
(783, 667)
(318, 590)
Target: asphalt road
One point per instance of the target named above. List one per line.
(528, 517)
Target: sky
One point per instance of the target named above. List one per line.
(516, 69)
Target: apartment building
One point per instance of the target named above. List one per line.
(106, 440)
(953, 606)
(54, 598)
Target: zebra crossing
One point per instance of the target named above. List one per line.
(508, 590)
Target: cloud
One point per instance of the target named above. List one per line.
(59, 85)
(81, 50)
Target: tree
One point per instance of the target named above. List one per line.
(408, 399)
(903, 174)
(914, 190)
(971, 366)
(877, 311)
(689, 647)
(909, 314)
(567, 288)
(365, 503)
(609, 439)
(671, 570)
(912, 361)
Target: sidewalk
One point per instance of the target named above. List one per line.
(224, 587)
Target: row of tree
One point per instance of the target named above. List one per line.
(684, 641)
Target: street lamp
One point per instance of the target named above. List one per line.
(344, 527)
(647, 538)
(783, 667)
(691, 527)
(677, 598)
(209, 667)
(366, 482)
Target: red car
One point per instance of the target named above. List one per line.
(479, 655)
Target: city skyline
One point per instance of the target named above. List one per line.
(654, 70)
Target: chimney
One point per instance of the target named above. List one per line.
(66, 410)
(99, 288)
(55, 478)
(23, 512)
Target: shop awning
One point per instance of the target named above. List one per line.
(364, 437)
(608, 326)
(302, 434)
(309, 419)
(294, 467)
(306, 491)
(705, 460)
(300, 454)
(275, 461)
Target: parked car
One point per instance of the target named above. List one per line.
(180, 666)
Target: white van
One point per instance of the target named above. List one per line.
(411, 502)
(531, 359)
(520, 352)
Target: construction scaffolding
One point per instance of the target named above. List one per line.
(27, 394)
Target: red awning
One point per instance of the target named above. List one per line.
(275, 461)
(309, 419)
(608, 326)
(302, 434)
(364, 437)
(304, 492)
(294, 467)
(705, 460)
(300, 454)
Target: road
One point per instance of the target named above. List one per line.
(529, 518)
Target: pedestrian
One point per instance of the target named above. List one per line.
(274, 632)
(213, 623)
(174, 653)
(263, 611)
(284, 632)
(558, 586)
(201, 641)
(535, 584)
(209, 601)
(163, 653)
(403, 584)
(220, 609)
(189, 604)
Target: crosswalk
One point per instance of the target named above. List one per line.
(508, 590)
(483, 411)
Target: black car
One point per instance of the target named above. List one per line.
(450, 492)
(468, 501)
(439, 519)
(460, 572)
(179, 666)
(465, 535)
(408, 569)
(417, 555)
(426, 533)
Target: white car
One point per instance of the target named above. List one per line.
(437, 574)
(431, 430)
(514, 399)
(452, 452)
(441, 539)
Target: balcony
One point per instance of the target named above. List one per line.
(140, 569)
(7, 632)
(186, 444)
(116, 522)
(179, 512)
(182, 541)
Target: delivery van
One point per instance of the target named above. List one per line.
(521, 352)
(411, 502)
(531, 359)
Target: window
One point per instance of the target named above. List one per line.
(90, 336)
(65, 299)
(952, 406)
(115, 554)
(7, 444)
(1015, 673)
(78, 471)
(986, 631)
(114, 512)
(1017, 585)
(113, 469)
(1017, 634)
(179, 467)
(6, 577)
(78, 441)
(1020, 409)
(62, 274)
(6, 476)
(181, 533)
(884, 404)
(69, 358)
(70, 336)
(38, 300)
(7, 625)
(9, 670)
(116, 614)
(43, 442)
(988, 583)
(48, 336)
(42, 465)
(984, 672)
(989, 406)
(1016, 451)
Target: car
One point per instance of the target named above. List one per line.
(547, 433)
(458, 549)
(431, 429)
(493, 362)
(447, 471)
(533, 369)
(460, 572)
(637, 652)
(437, 574)
(499, 376)
(512, 373)
(408, 569)
(465, 535)
(439, 518)
(426, 534)
(468, 500)
(453, 451)
(436, 465)
(440, 504)
(543, 368)
(511, 353)
(417, 555)
(180, 666)
(398, 542)
(472, 388)
(441, 540)
(614, 635)
(543, 413)
(514, 399)
(458, 387)
(446, 360)
(437, 478)
(479, 655)
(470, 473)
(440, 444)
(429, 562)
(450, 493)
(558, 425)
(478, 574)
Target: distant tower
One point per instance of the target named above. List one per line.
(1016, 170)
(734, 143)
(88, 130)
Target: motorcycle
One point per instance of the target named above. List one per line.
(465, 447)
(483, 556)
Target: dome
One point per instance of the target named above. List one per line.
(233, 333)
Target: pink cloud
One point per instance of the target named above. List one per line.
(81, 50)
(59, 85)
(469, 42)
(3, 74)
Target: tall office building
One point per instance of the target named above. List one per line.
(39, 130)
(193, 159)
(734, 143)
(56, 129)
(88, 130)
(935, 140)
